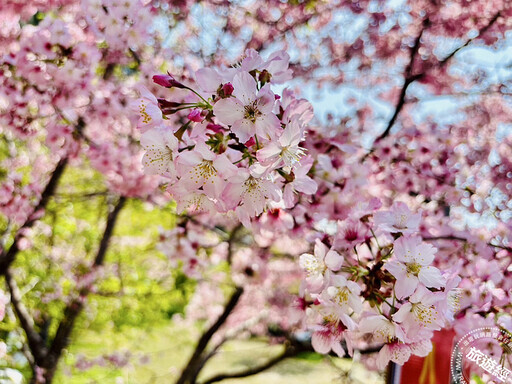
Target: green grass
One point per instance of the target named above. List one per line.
(169, 347)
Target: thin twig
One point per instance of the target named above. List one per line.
(197, 361)
(7, 257)
(410, 78)
(74, 309)
(289, 351)
(34, 340)
(458, 238)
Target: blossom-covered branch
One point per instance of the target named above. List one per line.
(8, 256)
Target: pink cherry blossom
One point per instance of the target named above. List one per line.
(318, 264)
(412, 266)
(398, 219)
(381, 328)
(161, 147)
(146, 106)
(350, 233)
(419, 312)
(327, 337)
(345, 294)
(277, 66)
(285, 150)
(301, 182)
(248, 193)
(399, 352)
(250, 111)
(203, 168)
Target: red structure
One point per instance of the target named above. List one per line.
(433, 369)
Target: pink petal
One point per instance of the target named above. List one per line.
(431, 277)
(405, 286)
(208, 79)
(333, 260)
(321, 342)
(396, 269)
(402, 313)
(305, 185)
(243, 129)
(267, 125)
(228, 111)
(244, 88)
(421, 348)
(338, 349)
(269, 153)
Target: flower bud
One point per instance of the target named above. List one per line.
(227, 89)
(215, 127)
(167, 81)
(195, 115)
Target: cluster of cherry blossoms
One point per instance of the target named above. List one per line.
(373, 282)
(238, 148)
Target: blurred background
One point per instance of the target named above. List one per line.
(104, 286)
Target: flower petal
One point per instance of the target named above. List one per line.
(244, 88)
(228, 111)
(405, 286)
(321, 342)
(333, 260)
(431, 277)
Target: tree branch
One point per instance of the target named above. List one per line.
(469, 41)
(292, 348)
(458, 238)
(410, 78)
(34, 340)
(289, 351)
(7, 258)
(74, 309)
(195, 363)
(231, 239)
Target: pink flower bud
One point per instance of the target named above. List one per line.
(227, 89)
(167, 81)
(195, 115)
(215, 127)
(165, 104)
(250, 142)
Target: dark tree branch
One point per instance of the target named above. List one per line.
(469, 41)
(458, 238)
(7, 257)
(231, 240)
(196, 361)
(74, 309)
(34, 340)
(292, 348)
(107, 234)
(411, 78)
(289, 351)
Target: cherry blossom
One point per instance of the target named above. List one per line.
(317, 264)
(406, 175)
(161, 147)
(420, 310)
(413, 266)
(250, 112)
(286, 149)
(398, 219)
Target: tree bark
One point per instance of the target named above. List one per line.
(8, 257)
(73, 310)
(198, 358)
